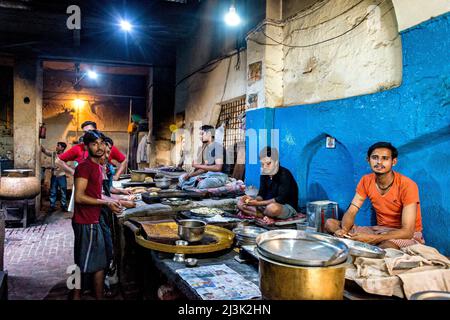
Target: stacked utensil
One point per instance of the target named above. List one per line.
(246, 235)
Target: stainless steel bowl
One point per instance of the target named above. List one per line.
(162, 183)
(191, 230)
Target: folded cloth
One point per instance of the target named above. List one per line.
(417, 265)
(433, 280)
(428, 253)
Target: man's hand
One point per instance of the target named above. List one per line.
(245, 199)
(127, 192)
(252, 203)
(115, 206)
(341, 233)
(127, 204)
(116, 177)
(364, 237)
(187, 176)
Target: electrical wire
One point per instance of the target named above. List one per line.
(331, 19)
(323, 41)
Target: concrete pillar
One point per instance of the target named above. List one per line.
(28, 85)
(263, 46)
(150, 106)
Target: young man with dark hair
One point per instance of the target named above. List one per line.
(278, 190)
(58, 179)
(89, 252)
(395, 199)
(77, 153)
(210, 167)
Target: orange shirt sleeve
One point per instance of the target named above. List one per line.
(361, 188)
(410, 193)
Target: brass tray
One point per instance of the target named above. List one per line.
(224, 241)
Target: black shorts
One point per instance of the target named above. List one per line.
(89, 252)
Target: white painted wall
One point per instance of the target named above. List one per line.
(412, 12)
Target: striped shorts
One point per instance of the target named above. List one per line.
(401, 243)
(89, 252)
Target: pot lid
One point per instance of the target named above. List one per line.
(296, 247)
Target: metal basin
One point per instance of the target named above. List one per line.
(191, 230)
(19, 188)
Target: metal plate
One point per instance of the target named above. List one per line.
(431, 295)
(361, 249)
(248, 232)
(296, 247)
(213, 211)
(357, 248)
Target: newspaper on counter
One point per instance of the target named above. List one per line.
(219, 282)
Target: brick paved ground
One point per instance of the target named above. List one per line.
(37, 257)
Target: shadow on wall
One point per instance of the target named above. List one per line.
(430, 192)
(328, 173)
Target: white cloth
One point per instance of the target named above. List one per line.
(220, 132)
(142, 150)
(71, 207)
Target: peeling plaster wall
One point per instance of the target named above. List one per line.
(325, 71)
(414, 117)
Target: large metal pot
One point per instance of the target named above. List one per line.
(19, 188)
(279, 281)
(295, 266)
(191, 230)
(162, 183)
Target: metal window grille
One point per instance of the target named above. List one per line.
(229, 114)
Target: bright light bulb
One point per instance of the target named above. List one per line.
(125, 25)
(92, 74)
(78, 103)
(232, 18)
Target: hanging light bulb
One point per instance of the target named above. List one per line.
(232, 18)
(92, 74)
(125, 25)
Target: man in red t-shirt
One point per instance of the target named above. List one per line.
(78, 153)
(395, 199)
(89, 252)
(115, 155)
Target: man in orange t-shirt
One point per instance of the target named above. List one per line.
(395, 199)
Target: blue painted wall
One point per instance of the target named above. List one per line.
(415, 117)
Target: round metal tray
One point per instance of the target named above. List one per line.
(295, 247)
(223, 236)
(248, 231)
(357, 248)
(431, 295)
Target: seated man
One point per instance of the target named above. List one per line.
(278, 191)
(395, 199)
(210, 169)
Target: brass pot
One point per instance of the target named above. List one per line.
(15, 188)
(280, 281)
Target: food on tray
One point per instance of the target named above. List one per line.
(154, 189)
(135, 190)
(161, 232)
(207, 211)
(148, 179)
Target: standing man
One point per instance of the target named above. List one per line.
(278, 190)
(118, 157)
(89, 252)
(58, 179)
(210, 167)
(395, 199)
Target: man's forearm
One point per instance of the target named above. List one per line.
(212, 168)
(66, 168)
(196, 173)
(348, 220)
(394, 234)
(87, 200)
(121, 168)
(265, 202)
